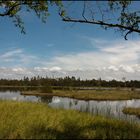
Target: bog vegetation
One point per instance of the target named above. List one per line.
(99, 95)
(132, 111)
(35, 120)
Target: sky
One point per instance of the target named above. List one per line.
(59, 49)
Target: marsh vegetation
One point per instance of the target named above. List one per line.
(36, 120)
(132, 111)
(45, 110)
(91, 94)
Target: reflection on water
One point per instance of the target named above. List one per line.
(46, 99)
(17, 96)
(106, 108)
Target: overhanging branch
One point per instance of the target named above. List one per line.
(98, 22)
(8, 12)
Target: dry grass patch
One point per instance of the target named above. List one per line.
(91, 94)
(132, 111)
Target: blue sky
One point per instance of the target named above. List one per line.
(61, 46)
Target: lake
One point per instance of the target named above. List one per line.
(105, 108)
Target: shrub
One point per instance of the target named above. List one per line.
(132, 89)
(46, 89)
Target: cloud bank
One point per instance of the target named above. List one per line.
(108, 60)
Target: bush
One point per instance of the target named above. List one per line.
(132, 89)
(46, 89)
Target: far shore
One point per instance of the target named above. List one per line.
(75, 88)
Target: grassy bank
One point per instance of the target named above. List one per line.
(34, 120)
(132, 111)
(91, 94)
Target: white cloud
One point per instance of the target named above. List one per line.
(124, 52)
(108, 73)
(112, 60)
(40, 69)
(11, 53)
(126, 68)
(112, 68)
(55, 68)
(18, 69)
(112, 54)
(89, 60)
(18, 57)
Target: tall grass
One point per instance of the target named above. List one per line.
(132, 111)
(28, 120)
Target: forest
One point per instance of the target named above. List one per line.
(68, 82)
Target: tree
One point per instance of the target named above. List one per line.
(120, 15)
(124, 80)
(12, 9)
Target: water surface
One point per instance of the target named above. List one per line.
(105, 108)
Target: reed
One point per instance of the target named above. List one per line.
(132, 111)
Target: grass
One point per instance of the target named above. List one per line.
(28, 120)
(132, 111)
(91, 94)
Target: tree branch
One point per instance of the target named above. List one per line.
(83, 13)
(98, 22)
(8, 12)
(129, 32)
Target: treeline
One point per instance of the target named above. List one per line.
(68, 81)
